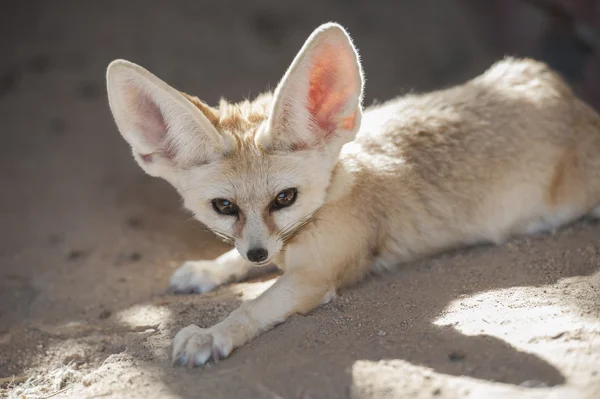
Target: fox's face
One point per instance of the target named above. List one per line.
(257, 200)
(254, 173)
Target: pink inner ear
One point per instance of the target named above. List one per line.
(148, 119)
(332, 85)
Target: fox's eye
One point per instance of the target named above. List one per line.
(224, 207)
(284, 199)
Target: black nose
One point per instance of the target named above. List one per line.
(257, 254)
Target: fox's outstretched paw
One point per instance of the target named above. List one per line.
(194, 346)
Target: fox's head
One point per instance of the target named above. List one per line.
(256, 172)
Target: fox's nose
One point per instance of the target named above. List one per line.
(257, 254)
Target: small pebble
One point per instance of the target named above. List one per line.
(456, 356)
(105, 314)
(75, 254)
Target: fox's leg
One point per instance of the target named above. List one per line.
(297, 291)
(318, 261)
(205, 275)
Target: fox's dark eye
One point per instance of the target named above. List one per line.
(284, 199)
(224, 207)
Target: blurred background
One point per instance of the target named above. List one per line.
(82, 229)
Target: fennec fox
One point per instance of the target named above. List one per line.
(303, 179)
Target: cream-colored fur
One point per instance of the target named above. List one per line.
(510, 152)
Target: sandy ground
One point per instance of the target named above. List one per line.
(88, 243)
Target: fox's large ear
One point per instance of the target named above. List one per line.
(164, 129)
(319, 99)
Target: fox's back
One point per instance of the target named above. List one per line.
(516, 112)
(485, 159)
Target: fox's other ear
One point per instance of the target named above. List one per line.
(319, 98)
(165, 130)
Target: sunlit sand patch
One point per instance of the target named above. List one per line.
(520, 314)
(401, 379)
(144, 316)
(549, 321)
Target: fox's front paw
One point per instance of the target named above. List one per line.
(196, 277)
(194, 346)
